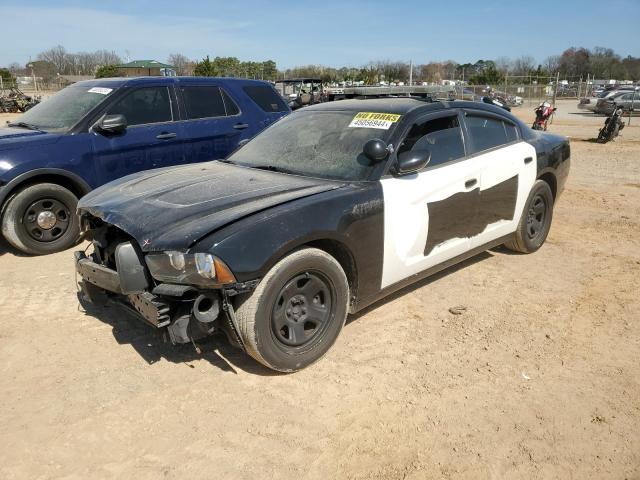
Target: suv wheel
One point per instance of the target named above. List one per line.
(41, 219)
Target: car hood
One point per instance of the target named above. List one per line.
(11, 137)
(172, 208)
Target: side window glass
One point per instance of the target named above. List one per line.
(441, 136)
(203, 101)
(486, 132)
(144, 106)
(230, 104)
(266, 98)
(512, 132)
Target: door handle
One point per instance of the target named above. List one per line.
(528, 160)
(470, 183)
(241, 126)
(166, 136)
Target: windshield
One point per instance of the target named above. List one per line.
(316, 144)
(66, 108)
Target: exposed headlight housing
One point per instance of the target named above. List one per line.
(202, 269)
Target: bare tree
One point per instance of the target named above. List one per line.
(57, 55)
(552, 63)
(523, 65)
(181, 62)
(106, 57)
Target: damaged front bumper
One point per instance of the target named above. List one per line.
(186, 312)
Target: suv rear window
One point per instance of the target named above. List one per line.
(266, 98)
(203, 102)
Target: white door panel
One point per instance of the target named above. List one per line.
(504, 169)
(406, 218)
(463, 215)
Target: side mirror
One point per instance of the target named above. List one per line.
(112, 124)
(412, 161)
(375, 150)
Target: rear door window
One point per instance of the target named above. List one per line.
(489, 132)
(203, 101)
(144, 106)
(266, 98)
(230, 105)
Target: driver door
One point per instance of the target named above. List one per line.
(429, 216)
(153, 137)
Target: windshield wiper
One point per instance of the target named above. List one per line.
(29, 126)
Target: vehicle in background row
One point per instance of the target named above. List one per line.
(327, 211)
(628, 100)
(612, 126)
(96, 131)
(301, 92)
(592, 102)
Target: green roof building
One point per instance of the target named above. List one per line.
(146, 68)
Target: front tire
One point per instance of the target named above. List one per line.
(535, 221)
(297, 311)
(41, 219)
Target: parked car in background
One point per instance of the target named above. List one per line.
(627, 100)
(99, 130)
(592, 102)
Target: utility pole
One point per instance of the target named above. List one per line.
(410, 73)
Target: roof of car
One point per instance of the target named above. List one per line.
(402, 106)
(382, 105)
(120, 81)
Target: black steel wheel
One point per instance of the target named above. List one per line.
(535, 221)
(302, 310)
(46, 220)
(296, 312)
(536, 216)
(41, 219)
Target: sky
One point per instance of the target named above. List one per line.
(328, 32)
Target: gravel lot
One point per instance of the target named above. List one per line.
(538, 378)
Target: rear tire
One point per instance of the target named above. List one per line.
(535, 221)
(41, 219)
(296, 312)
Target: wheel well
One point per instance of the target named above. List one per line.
(550, 178)
(344, 257)
(66, 182)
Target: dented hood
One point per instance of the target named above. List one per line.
(171, 208)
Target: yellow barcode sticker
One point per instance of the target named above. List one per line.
(382, 121)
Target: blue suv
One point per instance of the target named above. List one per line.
(98, 130)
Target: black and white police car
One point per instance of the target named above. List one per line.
(322, 214)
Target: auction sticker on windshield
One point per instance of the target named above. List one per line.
(101, 90)
(382, 121)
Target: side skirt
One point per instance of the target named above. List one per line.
(365, 302)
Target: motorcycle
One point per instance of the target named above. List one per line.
(543, 114)
(612, 126)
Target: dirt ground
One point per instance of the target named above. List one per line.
(538, 378)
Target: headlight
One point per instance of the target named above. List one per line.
(201, 269)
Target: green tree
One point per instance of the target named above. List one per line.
(5, 74)
(106, 71)
(488, 76)
(204, 68)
